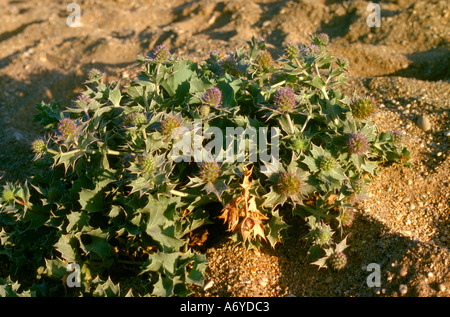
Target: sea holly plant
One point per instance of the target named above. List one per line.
(124, 178)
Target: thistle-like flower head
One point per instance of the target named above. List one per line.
(161, 53)
(212, 97)
(288, 184)
(337, 261)
(95, 75)
(323, 235)
(313, 49)
(210, 171)
(204, 110)
(397, 137)
(169, 125)
(229, 65)
(347, 216)
(357, 143)
(148, 164)
(358, 186)
(362, 108)
(8, 195)
(323, 38)
(39, 147)
(67, 127)
(291, 50)
(139, 119)
(264, 59)
(284, 99)
(327, 163)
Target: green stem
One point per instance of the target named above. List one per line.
(109, 152)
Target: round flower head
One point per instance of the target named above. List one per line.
(288, 184)
(214, 55)
(337, 261)
(347, 217)
(139, 119)
(169, 125)
(362, 108)
(209, 172)
(161, 53)
(67, 127)
(39, 147)
(299, 145)
(264, 59)
(323, 236)
(205, 110)
(284, 99)
(313, 49)
(358, 186)
(83, 99)
(213, 97)
(291, 50)
(8, 195)
(95, 75)
(357, 143)
(327, 163)
(397, 136)
(148, 165)
(323, 38)
(229, 65)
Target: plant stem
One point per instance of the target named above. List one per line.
(291, 125)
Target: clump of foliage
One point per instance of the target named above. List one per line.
(107, 192)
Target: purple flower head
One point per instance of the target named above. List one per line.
(67, 127)
(260, 39)
(357, 143)
(397, 136)
(323, 38)
(161, 53)
(213, 97)
(229, 65)
(337, 261)
(210, 171)
(95, 74)
(83, 99)
(313, 49)
(284, 99)
(214, 54)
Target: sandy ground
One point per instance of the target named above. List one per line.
(403, 225)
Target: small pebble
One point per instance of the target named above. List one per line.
(403, 289)
(447, 134)
(208, 285)
(403, 271)
(424, 123)
(441, 287)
